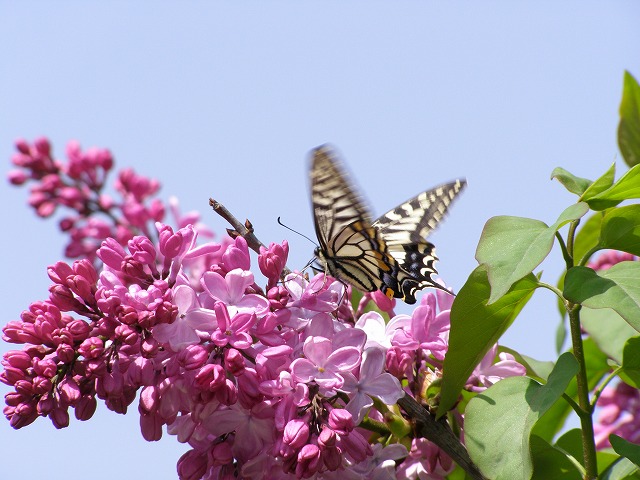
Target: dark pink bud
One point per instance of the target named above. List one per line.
(332, 458)
(142, 250)
(91, 348)
(356, 446)
(17, 177)
(65, 353)
(126, 334)
(210, 378)
(42, 146)
(45, 405)
(151, 427)
(78, 329)
(341, 420)
(17, 358)
(41, 385)
(327, 438)
(112, 382)
(170, 243)
(13, 399)
(237, 255)
(45, 367)
(149, 347)
(85, 407)
(278, 297)
(22, 415)
(59, 417)
(272, 261)
(192, 466)
(228, 394)
(69, 390)
(222, 454)
(149, 399)
(59, 272)
(309, 460)
(81, 287)
(234, 362)
(192, 357)
(22, 145)
(111, 253)
(296, 433)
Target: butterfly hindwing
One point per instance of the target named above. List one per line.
(390, 254)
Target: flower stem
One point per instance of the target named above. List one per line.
(585, 411)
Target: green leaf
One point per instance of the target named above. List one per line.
(621, 469)
(551, 462)
(629, 126)
(631, 361)
(617, 288)
(536, 369)
(602, 184)
(621, 229)
(608, 330)
(626, 188)
(596, 367)
(572, 183)
(625, 448)
(588, 236)
(476, 327)
(512, 247)
(498, 421)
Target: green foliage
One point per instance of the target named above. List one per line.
(629, 126)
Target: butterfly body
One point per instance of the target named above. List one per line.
(389, 254)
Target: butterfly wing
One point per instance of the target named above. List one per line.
(350, 247)
(404, 230)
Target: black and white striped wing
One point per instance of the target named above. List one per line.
(404, 230)
(350, 248)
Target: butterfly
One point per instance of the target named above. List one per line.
(390, 254)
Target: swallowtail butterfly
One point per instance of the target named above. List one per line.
(390, 254)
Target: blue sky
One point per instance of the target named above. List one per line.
(225, 99)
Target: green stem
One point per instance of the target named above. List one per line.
(565, 253)
(585, 259)
(553, 289)
(584, 413)
(571, 234)
(606, 381)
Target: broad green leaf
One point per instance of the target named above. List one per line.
(621, 229)
(588, 236)
(617, 288)
(608, 330)
(551, 462)
(572, 183)
(629, 126)
(476, 327)
(621, 469)
(626, 188)
(602, 184)
(536, 369)
(554, 420)
(631, 361)
(625, 448)
(512, 247)
(498, 421)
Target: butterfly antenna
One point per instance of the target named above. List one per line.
(295, 231)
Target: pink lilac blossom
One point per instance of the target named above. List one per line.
(618, 413)
(609, 258)
(273, 382)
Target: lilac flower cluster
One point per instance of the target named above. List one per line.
(282, 382)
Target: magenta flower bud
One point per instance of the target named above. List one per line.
(141, 372)
(397, 362)
(327, 438)
(133, 268)
(170, 243)
(228, 394)
(81, 287)
(22, 146)
(59, 272)
(341, 420)
(151, 427)
(42, 146)
(91, 348)
(126, 334)
(296, 433)
(69, 390)
(23, 415)
(17, 177)
(112, 382)
(272, 261)
(13, 399)
(85, 407)
(237, 255)
(41, 385)
(45, 405)
(356, 446)
(332, 458)
(234, 362)
(192, 466)
(222, 454)
(85, 269)
(210, 378)
(45, 367)
(149, 347)
(142, 250)
(278, 297)
(65, 353)
(192, 357)
(149, 399)
(17, 358)
(59, 417)
(309, 460)
(111, 253)
(78, 330)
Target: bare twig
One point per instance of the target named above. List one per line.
(245, 231)
(439, 432)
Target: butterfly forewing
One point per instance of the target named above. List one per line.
(390, 254)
